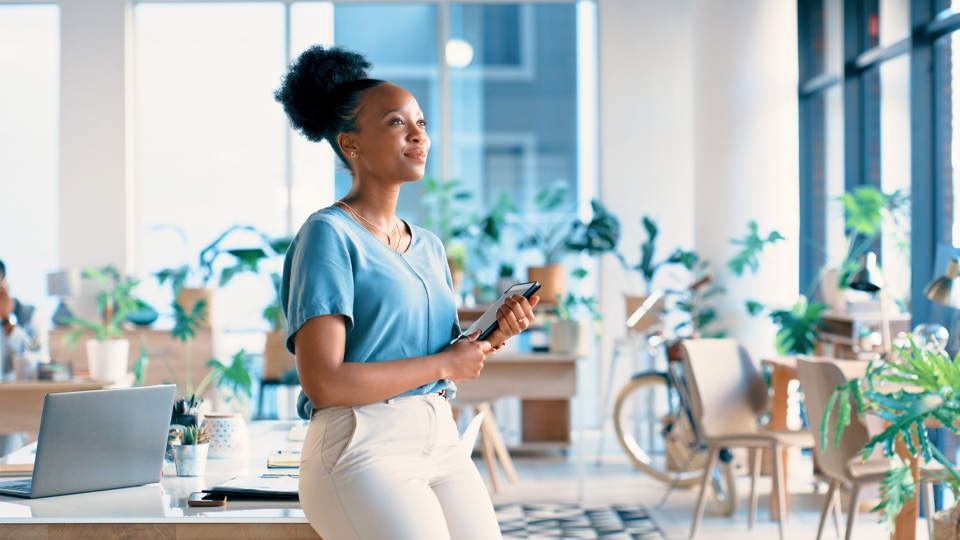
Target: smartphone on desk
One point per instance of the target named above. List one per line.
(488, 321)
(200, 498)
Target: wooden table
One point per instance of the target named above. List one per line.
(545, 382)
(21, 402)
(160, 510)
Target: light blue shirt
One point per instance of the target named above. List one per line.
(395, 305)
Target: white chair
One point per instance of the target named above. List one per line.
(818, 380)
(728, 397)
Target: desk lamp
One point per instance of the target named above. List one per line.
(944, 289)
(868, 279)
(62, 284)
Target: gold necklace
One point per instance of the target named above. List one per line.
(396, 226)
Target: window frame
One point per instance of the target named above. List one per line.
(928, 219)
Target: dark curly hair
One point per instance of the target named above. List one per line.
(321, 93)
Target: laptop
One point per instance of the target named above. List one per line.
(98, 439)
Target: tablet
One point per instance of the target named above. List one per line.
(488, 321)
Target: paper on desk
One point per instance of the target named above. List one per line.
(284, 460)
(282, 486)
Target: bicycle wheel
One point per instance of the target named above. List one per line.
(724, 485)
(655, 432)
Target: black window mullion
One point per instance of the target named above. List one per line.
(926, 217)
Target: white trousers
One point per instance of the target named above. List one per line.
(393, 470)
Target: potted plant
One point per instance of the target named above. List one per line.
(106, 357)
(694, 300)
(505, 278)
(560, 237)
(574, 325)
(931, 393)
(190, 449)
(467, 236)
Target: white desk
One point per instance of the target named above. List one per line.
(160, 510)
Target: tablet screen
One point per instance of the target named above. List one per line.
(488, 321)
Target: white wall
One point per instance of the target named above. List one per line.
(746, 150)
(699, 130)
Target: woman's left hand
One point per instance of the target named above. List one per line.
(513, 317)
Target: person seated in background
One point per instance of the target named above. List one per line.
(16, 318)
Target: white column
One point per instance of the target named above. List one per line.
(746, 151)
(646, 140)
(96, 163)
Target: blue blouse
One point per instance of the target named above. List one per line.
(395, 305)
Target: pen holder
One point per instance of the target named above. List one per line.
(191, 459)
(229, 437)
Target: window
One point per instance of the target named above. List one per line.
(210, 145)
(897, 119)
(29, 150)
(504, 119)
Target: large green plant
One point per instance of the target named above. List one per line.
(557, 237)
(928, 390)
(235, 377)
(468, 236)
(695, 299)
(244, 259)
(114, 302)
(866, 209)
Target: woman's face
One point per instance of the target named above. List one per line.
(391, 139)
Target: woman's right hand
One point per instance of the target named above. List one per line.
(466, 357)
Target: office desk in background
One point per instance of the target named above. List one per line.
(545, 383)
(160, 510)
(22, 402)
(160, 345)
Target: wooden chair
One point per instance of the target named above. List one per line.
(728, 397)
(843, 465)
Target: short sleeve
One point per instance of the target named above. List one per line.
(317, 277)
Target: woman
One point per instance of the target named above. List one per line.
(371, 314)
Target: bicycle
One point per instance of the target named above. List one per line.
(655, 427)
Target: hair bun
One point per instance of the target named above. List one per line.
(307, 91)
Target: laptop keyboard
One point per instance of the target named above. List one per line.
(22, 488)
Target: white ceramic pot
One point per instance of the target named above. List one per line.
(107, 360)
(191, 459)
(571, 337)
(229, 437)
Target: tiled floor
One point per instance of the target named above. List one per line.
(554, 478)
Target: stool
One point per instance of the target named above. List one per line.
(492, 447)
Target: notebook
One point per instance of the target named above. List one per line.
(98, 439)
